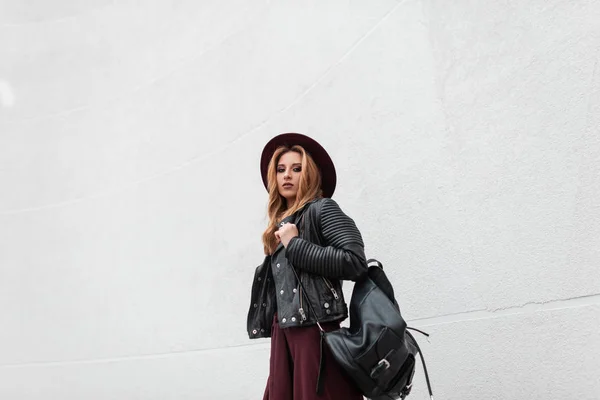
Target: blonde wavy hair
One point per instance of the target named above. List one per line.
(309, 188)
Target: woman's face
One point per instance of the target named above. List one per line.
(289, 170)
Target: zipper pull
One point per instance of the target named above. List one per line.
(302, 314)
(335, 295)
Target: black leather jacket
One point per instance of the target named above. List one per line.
(329, 249)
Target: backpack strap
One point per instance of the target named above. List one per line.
(422, 361)
(380, 279)
(377, 263)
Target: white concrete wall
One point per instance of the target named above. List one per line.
(466, 135)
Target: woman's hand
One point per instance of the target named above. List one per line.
(286, 233)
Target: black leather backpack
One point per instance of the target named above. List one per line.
(377, 352)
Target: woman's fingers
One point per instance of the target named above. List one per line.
(285, 233)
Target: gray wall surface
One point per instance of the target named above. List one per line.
(466, 137)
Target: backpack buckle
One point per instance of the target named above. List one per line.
(381, 366)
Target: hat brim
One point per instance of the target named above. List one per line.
(316, 151)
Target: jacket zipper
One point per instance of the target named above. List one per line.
(330, 286)
(301, 310)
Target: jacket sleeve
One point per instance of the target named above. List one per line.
(341, 257)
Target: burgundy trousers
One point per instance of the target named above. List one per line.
(294, 366)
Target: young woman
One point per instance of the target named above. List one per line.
(307, 232)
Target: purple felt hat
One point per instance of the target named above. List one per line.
(316, 151)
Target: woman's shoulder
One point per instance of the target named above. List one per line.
(322, 201)
(323, 205)
(318, 203)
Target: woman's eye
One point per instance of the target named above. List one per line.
(280, 171)
(298, 169)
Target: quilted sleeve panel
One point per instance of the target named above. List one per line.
(341, 257)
